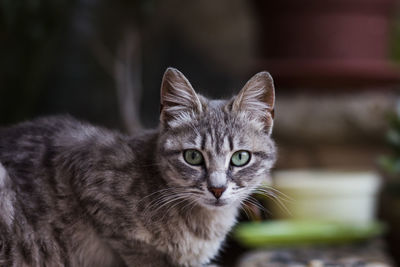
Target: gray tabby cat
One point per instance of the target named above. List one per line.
(72, 194)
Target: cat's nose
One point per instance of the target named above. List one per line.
(217, 191)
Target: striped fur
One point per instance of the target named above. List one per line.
(72, 194)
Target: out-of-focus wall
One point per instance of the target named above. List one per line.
(61, 58)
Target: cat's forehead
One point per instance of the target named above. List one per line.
(217, 130)
(218, 117)
(216, 104)
(222, 132)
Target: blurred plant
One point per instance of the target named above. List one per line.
(389, 207)
(395, 40)
(391, 163)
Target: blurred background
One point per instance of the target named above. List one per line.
(335, 64)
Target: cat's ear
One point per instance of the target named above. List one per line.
(177, 96)
(258, 98)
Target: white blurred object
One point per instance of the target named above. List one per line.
(338, 196)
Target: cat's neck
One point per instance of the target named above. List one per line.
(222, 217)
(202, 222)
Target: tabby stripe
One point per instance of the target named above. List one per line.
(219, 142)
(262, 155)
(203, 141)
(63, 252)
(230, 140)
(247, 172)
(171, 152)
(25, 252)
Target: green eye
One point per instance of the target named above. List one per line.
(240, 158)
(193, 157)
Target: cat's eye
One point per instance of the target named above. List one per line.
(193, 157)
(240, 158)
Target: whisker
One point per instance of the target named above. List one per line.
(181, 199)
(170, 201)
(271, 193)
(256, 203)
(278, 201)
(276, 191)
(189, 206)
(243, 208)
(156, 192)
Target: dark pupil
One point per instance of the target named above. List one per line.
(193, 155)
(240, 156)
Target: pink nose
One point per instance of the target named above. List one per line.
(217, 191)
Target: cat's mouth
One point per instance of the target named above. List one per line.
(216, 202)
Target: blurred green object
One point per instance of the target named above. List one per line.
(390, 196)
(299, 232)
(391, 163)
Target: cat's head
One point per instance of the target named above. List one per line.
(215, 152)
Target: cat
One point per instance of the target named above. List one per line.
(72, 194)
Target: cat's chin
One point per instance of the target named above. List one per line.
(215, 203)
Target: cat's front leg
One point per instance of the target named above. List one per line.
(137, 253)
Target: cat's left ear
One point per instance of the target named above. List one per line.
(258, 98)
(178, 97)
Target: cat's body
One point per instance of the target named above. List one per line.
(72, 194)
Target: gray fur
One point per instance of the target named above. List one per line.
(72, 194)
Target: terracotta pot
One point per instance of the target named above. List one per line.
(326, 43)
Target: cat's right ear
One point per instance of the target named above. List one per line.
(177, 96)
(258, 99)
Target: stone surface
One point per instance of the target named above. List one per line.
(332, 130)
(368, 254)
(335, 116)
